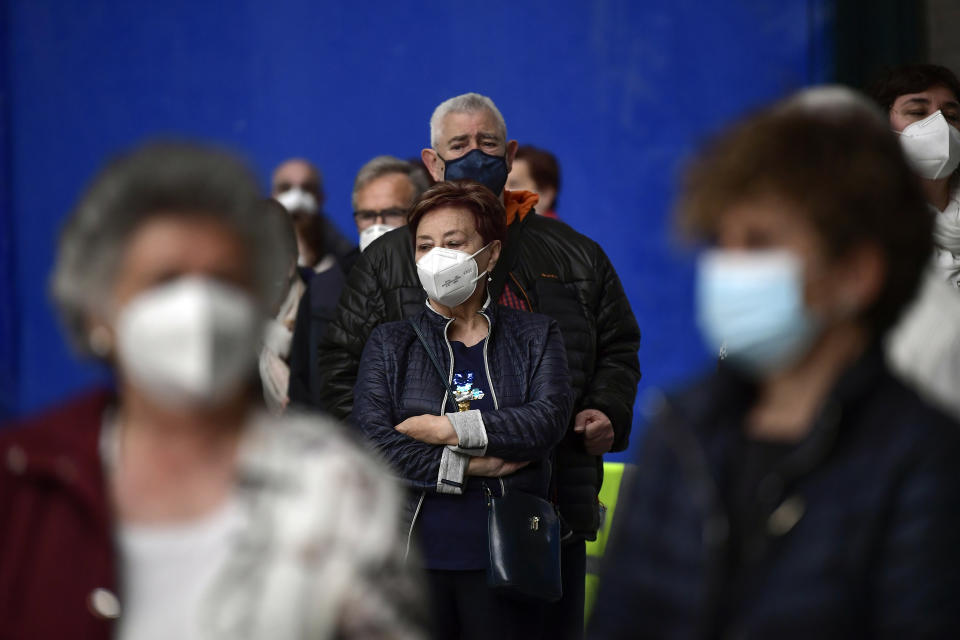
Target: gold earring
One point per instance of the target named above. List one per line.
(100, 341)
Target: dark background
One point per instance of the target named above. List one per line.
(621, 90)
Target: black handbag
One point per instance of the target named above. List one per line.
(524, 546)
(523, 533)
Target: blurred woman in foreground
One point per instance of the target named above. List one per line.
(801, 491)
(172, 508)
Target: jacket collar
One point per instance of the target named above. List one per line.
(732, 395)
(63, 446)
(488, 310)
(518, 204)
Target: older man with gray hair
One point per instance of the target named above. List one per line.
(546, 267)
(383, 191)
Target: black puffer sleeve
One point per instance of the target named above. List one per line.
(360, 310)
(612, 386)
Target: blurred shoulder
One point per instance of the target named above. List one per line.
(551, 229)
(394, 331)
(318, 450)
(68, 425)
(388, 247)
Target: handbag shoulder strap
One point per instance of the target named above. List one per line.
(433, 357)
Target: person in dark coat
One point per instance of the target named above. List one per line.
(511, 407)
(547, 268)
(298, 185)
(800, 491)
(383, 192)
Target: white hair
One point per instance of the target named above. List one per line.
(156, 179)
(833, 101)
(466, 103)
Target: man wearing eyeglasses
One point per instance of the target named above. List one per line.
(383, 191)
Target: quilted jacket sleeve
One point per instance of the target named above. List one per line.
(528, 432)
(415, 462)
(612, 387)
(361, 308)
(631, 571)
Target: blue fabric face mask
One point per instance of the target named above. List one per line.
(490, 171)
(750, 305)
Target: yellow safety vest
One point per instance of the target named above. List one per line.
(613, 475)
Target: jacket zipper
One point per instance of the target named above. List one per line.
(446, 340)
(443, 411)
(525, 296)
(486, 363)
(406, 554)
(486, 366)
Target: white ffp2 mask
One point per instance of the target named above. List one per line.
(296, 199)
(188, 343)
(449, 276)
(373, 232)
(932, 146)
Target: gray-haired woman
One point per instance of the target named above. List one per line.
(173, 508)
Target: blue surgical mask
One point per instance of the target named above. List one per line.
(750, 306)
(490, 171)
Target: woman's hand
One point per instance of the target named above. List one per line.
(429, 429)
(490, 467)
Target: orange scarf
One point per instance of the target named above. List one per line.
(518, 204)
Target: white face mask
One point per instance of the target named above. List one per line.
(932, 147)
(449, 276)
(373, 232)
(296, 199)
(189, 343)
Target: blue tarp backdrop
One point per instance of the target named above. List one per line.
(621, 90)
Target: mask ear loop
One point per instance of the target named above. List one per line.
(485, 271)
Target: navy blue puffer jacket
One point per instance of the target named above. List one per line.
(527, 366)
(853, 534)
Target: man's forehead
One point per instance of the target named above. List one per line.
(298, 171)
(390, 186)
(470, 123)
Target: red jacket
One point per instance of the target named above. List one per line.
(58, 573)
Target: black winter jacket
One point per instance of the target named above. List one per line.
(853, 534)
(528, 378)
(559, 273)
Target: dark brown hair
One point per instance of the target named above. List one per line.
(911, 78)
(544, 168)
(488, 212)
(841, 169)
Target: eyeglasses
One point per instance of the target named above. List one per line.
(394, 216)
